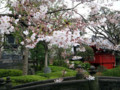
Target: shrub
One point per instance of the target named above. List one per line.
(26, 79)
(60, 63)
(85, 65)
(101, 68)
(88, 54)
(112, 72)
(10, 72)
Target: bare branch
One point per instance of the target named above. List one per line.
(64, 9)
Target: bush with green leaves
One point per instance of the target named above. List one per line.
(10, 72)
(58, 68)
(85, 65)
(38, 55)
(101, 68)
(60, 63)
(112, 72)
(26, 79)
(88, 54)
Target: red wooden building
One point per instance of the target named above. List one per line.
(103, 57)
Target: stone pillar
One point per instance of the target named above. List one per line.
(93, 84)
(8, 84)
(2, 84)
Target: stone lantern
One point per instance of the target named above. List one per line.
(92, 70)
(79, 74)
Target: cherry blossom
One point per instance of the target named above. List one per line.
(26, 32)
(104, 23)
(15, 4)
(48, 22)
(76, 57)
(58, 80)
(5, 25)
(90, 77)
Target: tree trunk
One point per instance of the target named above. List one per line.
(46, 56)
(0, 53)
(46, 68)
(1, 44)
(25, 61)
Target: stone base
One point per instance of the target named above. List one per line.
(47, 70)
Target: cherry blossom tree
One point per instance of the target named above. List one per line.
(105, 24)
(49, 22)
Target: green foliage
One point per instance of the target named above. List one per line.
(38, 54)
(10, 72)
(85, 65)
(58, 52)
(88, 54)
(25, 79)
(58, 68)
(101, 69)
(57, 72)
(112, 72)
(60, 63)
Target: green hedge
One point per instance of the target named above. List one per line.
(26, 79)
(10, 72)
(112, 72)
